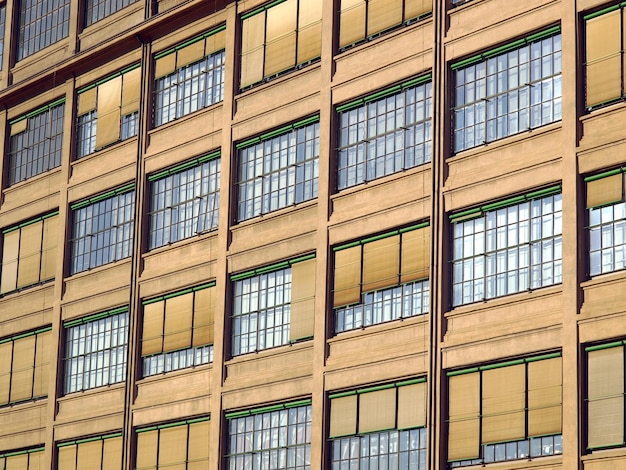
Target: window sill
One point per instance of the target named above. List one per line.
(521, 464)
(24, 405)
(97, 269)
(76, 162)
(463, 5)
(269, 83)
(276, 351)
(181, 243)
(379, 328)
(508, 141)
(604, 278)
(509, 299)
(32, 180)
(175, 374)
(112, 19)
(186, 117)
(268, 216)
(604, 454)
(69, 396)
(603, 111)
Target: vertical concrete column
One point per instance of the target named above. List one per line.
(574, 253)
(219, 431)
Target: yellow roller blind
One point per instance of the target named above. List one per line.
(412, 406)
(204, 317)
(87, 101)
(383, 14)
(131, 86)
(415, 255)
(503, 399)
(544, 397)
(22, 374)
(89, 455)
(17, 462)
(67, 458)
(381, 263)
(165, 65)
(30, 254)
(351, 22)
(301, 322)
(347, 276)
(377, 410)
(343, 416)
(5, 371)
(190, 54)
(252, 50)
(112, 454)
(10, 253)
(309, 30)
(152, 338)
(173, 448)
(415, 8)
(464, 426)
(147, 443)
(49, 247)
(19, 127)
(606, 397)
(216, 42)
(109, 112)
(605, 190)
(35, 461)
(280, 48)
(42, 364)
(604, 65)
(178, 321)
(198, 452)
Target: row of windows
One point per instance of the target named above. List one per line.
(496, 412)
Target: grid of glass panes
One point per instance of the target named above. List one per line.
(508, 250)
(96, 352)
(42, 23)
(86, 133)
(167, 362)
(261, 311)
(189, 88)
(278, 172)
(3, 17)
(507, 94)
(38, 148)
(130, 125)
(100, 9)
(185, 203)
(103, 232)
(523, 449)
(386, 450)
(385, 136)
(607, 238)
(404, 301)
(271, 440)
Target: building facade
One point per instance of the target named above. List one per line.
(312, 234)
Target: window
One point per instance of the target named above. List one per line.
(379, 427)
(185, 200)
(604, 50)
(36, 142)
(385, 133)
(189, 77)
(278, 169)
(279, 37)
(366, 19)
(509, 246)
(100, 9)
(277, 436)
(382, 278)
(42, 23)
(103, 229)
(96, 350)
(505, 411)
(182, 445)
(273, 305)
(29, 253)
(27, 459)
(605, 395)
(508, 90)
(24, 366)
(108, 111)
(178, 330)
(94, 453)
(607, 222)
